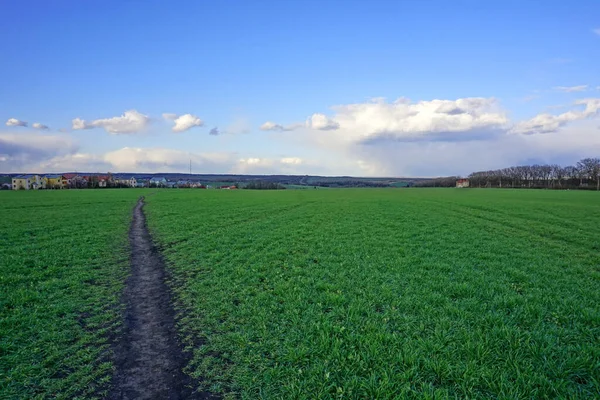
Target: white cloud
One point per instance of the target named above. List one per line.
(130, 159)
(263, 166)
(443, 137)
(434, 120)
(546, 123)
(183, 122)
(15, 122)
(321, 122)
(406, 120)
(38, 125)
(272, 126)
(428, 159)
(214, 131)
(78, 124)
(130, 122)
(256, 161)
(76, 162)
(316, 121)
(571, 89)
(133, 159)
(291, 160)
(21, 150)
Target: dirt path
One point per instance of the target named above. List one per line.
(148, 359)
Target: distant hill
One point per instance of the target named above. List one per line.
(289, 180)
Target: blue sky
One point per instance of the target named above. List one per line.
(326, 75)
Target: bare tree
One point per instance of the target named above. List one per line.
(539, 176)
(590, 169)
(558, 174)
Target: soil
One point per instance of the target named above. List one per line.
(149, 360)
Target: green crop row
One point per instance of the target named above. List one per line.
(63, 260)
(409, 293)
(418, 293)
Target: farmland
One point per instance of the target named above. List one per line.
(386, 293)
(63, 259)
(340, 293)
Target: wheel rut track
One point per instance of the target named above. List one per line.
(149, 361)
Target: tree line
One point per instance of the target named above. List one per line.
(583, 175)
(263, 185)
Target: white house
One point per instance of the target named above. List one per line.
(158, 182)
(27, 182)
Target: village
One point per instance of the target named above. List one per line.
(97, 181)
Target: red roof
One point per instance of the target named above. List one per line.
(69, 176)
(98, 177)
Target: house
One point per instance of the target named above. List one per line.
(183, 184)
(28, 182)
(171, 184)
(75, 181)
(462, 183)
(56, 181)
(140, 181)
(6, 186)
(70, 179)
(157, 182)
(132, 182)
(95, 181)
(91, 181)
(122, 182)
(105, 181)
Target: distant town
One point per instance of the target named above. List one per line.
(76, 181)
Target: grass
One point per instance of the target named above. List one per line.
(418, 293)
(352, 293)
(63, 260)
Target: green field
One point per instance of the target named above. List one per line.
(387, 293)
(63, 259)
(342, 293)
